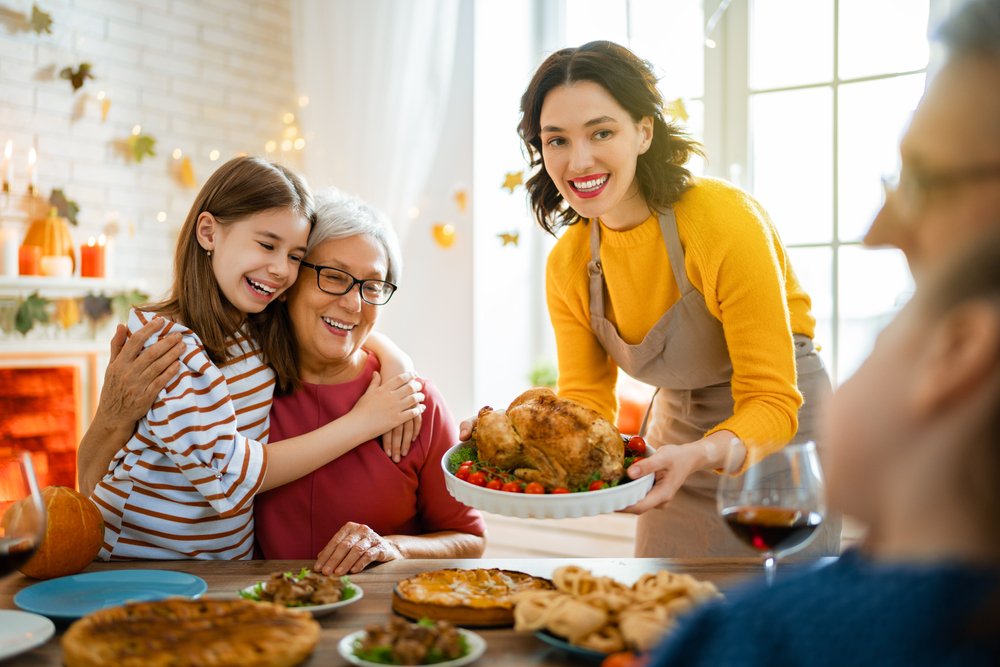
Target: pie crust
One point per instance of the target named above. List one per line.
(472, 598)
(188, 633)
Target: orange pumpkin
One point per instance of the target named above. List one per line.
(52, 235)
(74, 532)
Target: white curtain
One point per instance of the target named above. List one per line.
(378, 75)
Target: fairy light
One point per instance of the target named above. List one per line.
(299, 144)
(161, 216)
(213, 155)
(286, 145)
(271, 146)
(288, 118)
(136, 130)
(713, 21)
(177, 154)
(303, 101)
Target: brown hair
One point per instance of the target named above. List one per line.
(240, 188)
(630, 80)
(974, 275)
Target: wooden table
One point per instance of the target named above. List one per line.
(504, 646)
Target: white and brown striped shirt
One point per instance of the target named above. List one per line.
(183, 486)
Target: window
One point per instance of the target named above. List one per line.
(802, 103)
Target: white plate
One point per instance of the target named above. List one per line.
(477, 646)
(21, 631)
(547, 506)
(318, 610)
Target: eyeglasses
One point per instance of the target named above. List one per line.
(913, 187)
(337, 282)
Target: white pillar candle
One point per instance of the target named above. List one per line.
(9, 243)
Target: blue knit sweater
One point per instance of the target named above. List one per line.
(853, 612)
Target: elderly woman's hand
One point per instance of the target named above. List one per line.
(353, 548)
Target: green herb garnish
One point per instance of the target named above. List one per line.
(467, 452)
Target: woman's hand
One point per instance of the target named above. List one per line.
(465, 429)
(673, 464)
(137, 374)
(353, 548)
(387, 405)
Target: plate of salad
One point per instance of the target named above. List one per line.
(317, 593)
(399, 642)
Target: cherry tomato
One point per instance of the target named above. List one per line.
(494, 484)
(636, 445)
(622, 659)
(596, 485)
(468, 463)
(534, 487)
(560, 489)
(478, 478)
(463, 472)
(512, 487)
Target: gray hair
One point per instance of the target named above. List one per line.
(973, 30)
(340, 215)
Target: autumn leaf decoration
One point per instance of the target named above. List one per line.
(40, 21)
(32, 310)
(141, 146)
(67, 208)
(77, 77)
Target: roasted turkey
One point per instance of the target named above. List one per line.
(546, 439)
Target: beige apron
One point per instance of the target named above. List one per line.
(686, 357)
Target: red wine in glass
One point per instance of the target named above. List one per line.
(771, 528)
(776, 504)
(22, 512)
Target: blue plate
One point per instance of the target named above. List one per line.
(69, 598)
(560, 643)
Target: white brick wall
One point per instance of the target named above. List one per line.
(196, 74)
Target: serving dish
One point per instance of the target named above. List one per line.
(545, 506)
(476, 644)
(252, 592)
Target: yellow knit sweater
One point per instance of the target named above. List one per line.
(734, 258)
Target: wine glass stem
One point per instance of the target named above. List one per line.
(769, 567)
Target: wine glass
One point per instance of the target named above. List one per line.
(777, 504)
(22, 512)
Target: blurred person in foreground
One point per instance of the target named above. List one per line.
(914, 453)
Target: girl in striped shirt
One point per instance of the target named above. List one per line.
(183, 486)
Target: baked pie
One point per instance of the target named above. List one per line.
(191, 633)
(473, 598)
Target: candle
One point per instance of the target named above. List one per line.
(92, 258)
(32, 172)
(8, 166)
(57, 266)
(8, 253)
(29, 260)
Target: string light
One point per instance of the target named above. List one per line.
(270, 146)
(136, 130)
(299, 144)
(288, 118)
(161, 216)
(303, 101)
(177, 154)
(713, 21)
(213, 155)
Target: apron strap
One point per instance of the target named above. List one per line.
(675, 251)
(649, 411)
(595, 273)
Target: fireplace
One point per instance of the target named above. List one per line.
(46, 401)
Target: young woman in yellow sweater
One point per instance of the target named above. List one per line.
(681, 282)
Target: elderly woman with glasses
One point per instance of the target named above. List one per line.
(367, 506)
(362, 507)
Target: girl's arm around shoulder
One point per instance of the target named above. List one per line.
(384, 406)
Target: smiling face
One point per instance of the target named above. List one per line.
(255, 259)
(329, 329)
(590, 146)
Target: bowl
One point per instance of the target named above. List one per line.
(545, 506)
(477, 646)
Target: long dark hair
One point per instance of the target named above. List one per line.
(660, 171)
(240, 188)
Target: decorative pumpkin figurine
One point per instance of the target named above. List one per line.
(74, 532)
(52, 235)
